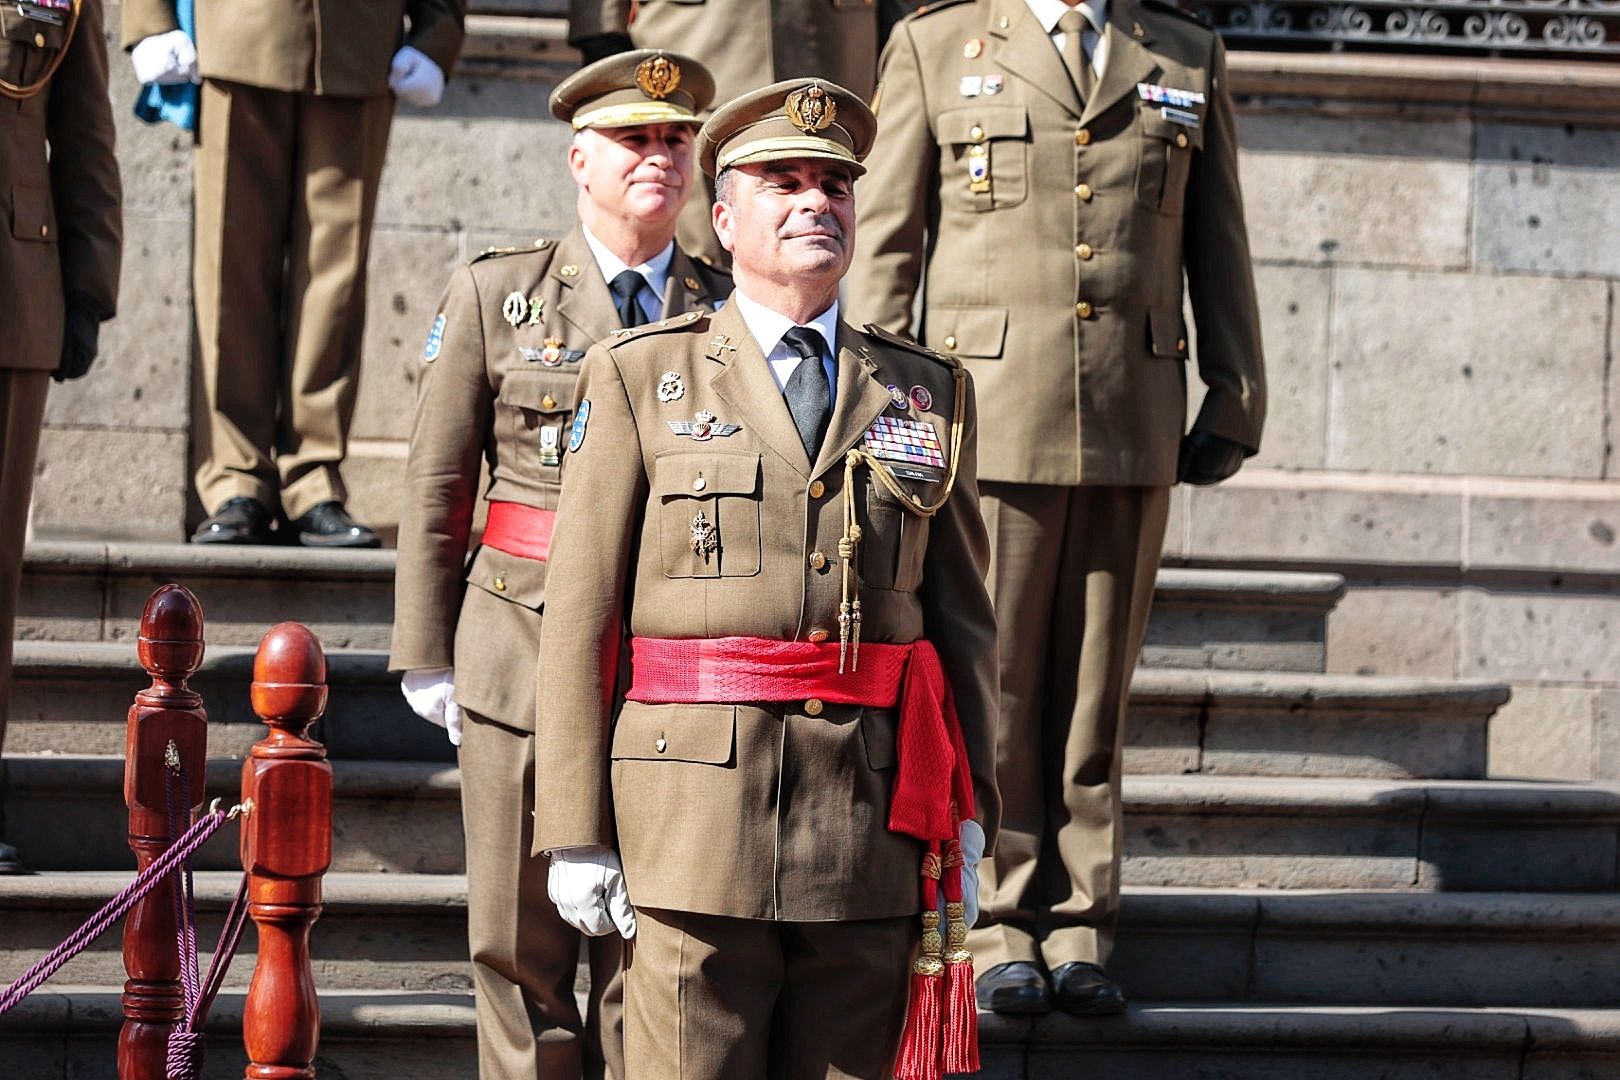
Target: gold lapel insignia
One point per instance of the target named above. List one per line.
(658, 76)
(1136, 30)
(811, 109)
(569, 271)
(719, 346)
(692, 283)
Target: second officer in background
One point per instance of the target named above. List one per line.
(497, 385)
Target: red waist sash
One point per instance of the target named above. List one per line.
(521, 530)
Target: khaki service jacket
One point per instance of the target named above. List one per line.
(774, 811)
(490, 392)
(1049, 239)
(60, 196)
(337, 47)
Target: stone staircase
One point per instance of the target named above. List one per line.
(1321, 883)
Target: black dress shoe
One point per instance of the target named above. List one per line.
(1085, 990)
(10, 861)
(240, 521)
(1017, 988)
(327, 524)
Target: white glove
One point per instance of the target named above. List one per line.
(165, 59)
(414, 78)
(972, 851)
(587, 885)
(430, 692)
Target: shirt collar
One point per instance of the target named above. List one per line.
(655, 270)
(768, 326)
(1048, 12)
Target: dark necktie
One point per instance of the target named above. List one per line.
(809, 397)
(625, 287)
(1076, 57)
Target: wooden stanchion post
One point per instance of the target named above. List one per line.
(286, 847)
(168, 713)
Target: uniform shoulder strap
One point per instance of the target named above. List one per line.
(1167, 7)
(661, 326)
(900, 341)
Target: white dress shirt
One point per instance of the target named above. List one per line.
(1095, 44)
(655, 272)
(768, 326)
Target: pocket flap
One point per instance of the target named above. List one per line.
(1167, 332)
(1156, 125)
(966, 331)
(701, 475)
(542, 391)
(701, 733)
(510, 577)
(32, 215)
(992, 122)
(47, 30)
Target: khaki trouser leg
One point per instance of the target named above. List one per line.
(525, 957)
(22, 412)
(340, 144)
(243, 201)
(715, 998)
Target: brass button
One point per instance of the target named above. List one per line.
(950, 341)
(818, 636)
(817, 560)
(500, 584)
(548, 402)
(1181, 344)
(976, 133)
(1083, 191)
(662, 744)
(44, 231)
(39, 41)
(1082, 137)
(699, 484)
(1181, 139)
(1083, 310)
(1083, 251)
(813, 707)
(817, 489)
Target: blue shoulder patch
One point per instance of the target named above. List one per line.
(577, 435)
(435, 340)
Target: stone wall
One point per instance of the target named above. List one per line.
(1435, 256)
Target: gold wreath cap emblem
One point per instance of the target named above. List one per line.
(811, 109)
(658, 76)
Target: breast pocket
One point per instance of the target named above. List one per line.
(1167, 149)
(893, 540)
(31, 38)
(534, 410)
(708, 513)
(983, 157)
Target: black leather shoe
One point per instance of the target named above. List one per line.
(1017, 989)
(240, 521)
(1085, 990)
(327, 524)
(10, 861)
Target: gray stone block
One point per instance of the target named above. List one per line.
(1310, 177)
(1239, 620)
(1294, 309)
(1488, 391)
(1544, 200)
(1564, 527)
(1529, 635)
(110, 484)
(1546, 733)
(407, 274)
(1380, 629)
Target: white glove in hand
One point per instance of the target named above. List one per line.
(165, 59)
(587, 885)
(972, 851)
(430, 692)
(414, 78)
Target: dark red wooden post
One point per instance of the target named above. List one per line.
(169, 712)
(286, 847)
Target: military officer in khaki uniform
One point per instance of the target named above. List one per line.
(295, 108)
(772, 514)
(59, 260)
(1045, 175)
(497, 384)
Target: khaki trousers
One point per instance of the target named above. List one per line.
(1072, 573)
(709, 997)
(22, 413)
(286, 192)
(524, 956)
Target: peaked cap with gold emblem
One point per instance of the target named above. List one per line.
(643, 86)
(799, 118)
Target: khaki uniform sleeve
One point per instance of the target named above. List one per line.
(84, 168)
(598, 520)
(1220, 279)
(590, 18)
(437, 29)
(961, 622)
(454, 407)
(895, 200)
(146, 18)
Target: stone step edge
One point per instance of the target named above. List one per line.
(373, 1013)
(1248, 588)
(1308, 912)
(1519, 801)
(1149, 686)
